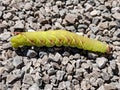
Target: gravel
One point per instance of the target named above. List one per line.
(17, 62)
(34, 87)
(48, 87)
(60, 75)
(31, 53)
(101, 62)
(60, 68)
(94, 13)
(71, 18)
(5, 36)
(19, 25)
(116, 16)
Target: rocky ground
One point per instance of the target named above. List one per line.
(63, 68)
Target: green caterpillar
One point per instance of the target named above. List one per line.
(58, 38)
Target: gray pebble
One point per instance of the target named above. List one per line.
(105, 76)
(46, 66)
(44, 60)
(118, 86)
(96, 20)
(100, 81)
(112, 24)
(108, 4)
(10, 78)
(82, 26)
(97, 3)
(85, 66)
(6, 45)
(7, 16)
(19, 25)
(93, 81)
(71, 18)
(17, 61)
(109, 87)
(85, 85)
(42, 54)
(116, 16)
(58, 25)
(78, 63)
(31, 53)
(62, 85)
(46, 78)
(92, 36)
(48, 87)
(103, 25)
(101, 62)
(53, 79)
(57, 57)
(8, 65)
(69, 68)
(114, 4)
(94, 29)
(69, 77)
(27, 66)
(34, 87)
(77, 87)
(75, 81)
(69, 86)
(115, 9)
(51, 71)
(5, 36)
(17, 86)
(113, 64)
(76, 56)
(70, 28)
(101, 7)
(118, 65)
(59, 3)
(6, 2)
(101, 88)
(28, 79)
(106, 16)
(88, 7)
(94, 13)
(28, 6)
(117, 33)
(118, 23)
(92, 56)
(116, 43)
(62, 12)
(1, 14)
(2, 8)
(110, 71)
(75, 2)
(68, 2)
(60, 75)
(64, 22)
(102, 1)
(51, 57)
(47, 26)
(55, 65)
(2, 70)
(65, 60)
(55, 9)
(66, 54)
(18, 73)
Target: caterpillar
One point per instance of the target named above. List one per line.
(58, 38)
